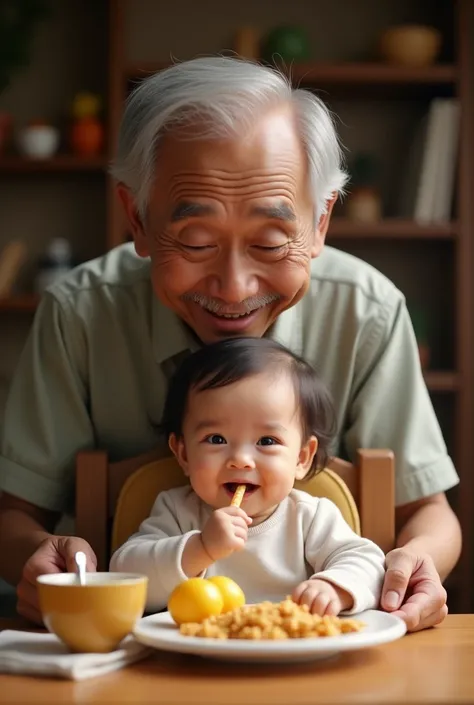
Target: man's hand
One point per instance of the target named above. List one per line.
(225, 532)
(54, 555)
(322, 597)
(412, 590)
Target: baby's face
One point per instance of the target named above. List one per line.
(247, 433)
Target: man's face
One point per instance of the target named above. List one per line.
(230, 228)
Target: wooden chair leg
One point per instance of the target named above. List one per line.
(92, 502)
(377, 496)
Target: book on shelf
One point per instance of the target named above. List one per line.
(429, 182)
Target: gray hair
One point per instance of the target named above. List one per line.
(218, 97)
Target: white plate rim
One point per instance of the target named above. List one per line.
(394, 629)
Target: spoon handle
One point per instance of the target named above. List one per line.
(80, 558)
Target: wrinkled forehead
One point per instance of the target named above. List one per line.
(268, 157)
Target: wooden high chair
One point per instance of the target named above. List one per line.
(112, 499)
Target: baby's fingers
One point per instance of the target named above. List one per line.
(298, 592)
(238, 522)
(320, 604)
(236, 512)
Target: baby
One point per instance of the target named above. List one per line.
(247, 411)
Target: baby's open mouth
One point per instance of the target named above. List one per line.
(250, 487)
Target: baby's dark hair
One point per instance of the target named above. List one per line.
(228, 361)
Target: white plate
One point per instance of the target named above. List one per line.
(160, 632)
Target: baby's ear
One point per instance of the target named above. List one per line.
(307, 453)
(178, 449)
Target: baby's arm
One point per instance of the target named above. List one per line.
(156, 551)
(167, 555)
(354, 566)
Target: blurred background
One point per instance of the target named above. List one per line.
(399, 76)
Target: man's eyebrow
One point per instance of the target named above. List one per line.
(188, 209)
(278, 212)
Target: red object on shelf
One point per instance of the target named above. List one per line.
(87, 136)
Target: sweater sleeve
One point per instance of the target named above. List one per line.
(340, 556)
(156, 551)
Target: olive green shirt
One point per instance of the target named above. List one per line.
(94, 373)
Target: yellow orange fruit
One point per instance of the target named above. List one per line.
(232, 594)
(194, 600)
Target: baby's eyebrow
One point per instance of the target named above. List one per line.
(206, 424)
(273, 426)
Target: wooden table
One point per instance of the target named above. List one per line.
(434, 666)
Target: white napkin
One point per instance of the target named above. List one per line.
(42, 654)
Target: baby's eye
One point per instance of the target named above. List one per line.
(266, 441)
(216, 439)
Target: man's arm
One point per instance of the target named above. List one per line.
(23, 527)
(430, 526)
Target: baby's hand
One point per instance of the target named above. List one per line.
(225, 532)
(322, 597)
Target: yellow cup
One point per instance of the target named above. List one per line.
(94, 617)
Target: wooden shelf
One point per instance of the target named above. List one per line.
(26, 303)
(372, 73)
(390, 228)
(441, 381)
(63, 162)
(322, 73)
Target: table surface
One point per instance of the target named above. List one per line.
(433, 666)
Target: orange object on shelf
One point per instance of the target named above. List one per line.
(87, 136)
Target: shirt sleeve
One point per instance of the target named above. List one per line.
(46, 414)
(156, 551)
(341, 557)
(391, 408)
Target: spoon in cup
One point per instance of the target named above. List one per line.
(80, 558)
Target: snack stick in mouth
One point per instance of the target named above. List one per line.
(238, 496)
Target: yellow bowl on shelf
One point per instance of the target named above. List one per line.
(94, 617)
(410, 45)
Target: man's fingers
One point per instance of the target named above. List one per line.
(430, 620)
(39, 564)
(422, 608)
(68, 549)
(26, 610)
(28, 593)
(421, 615)
(399, 568)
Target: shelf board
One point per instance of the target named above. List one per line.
(372, 73)
(61, 162)
(25, 303)
(441, 381)
(322, 73)
(390, 228)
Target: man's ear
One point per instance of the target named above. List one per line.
(322, 228)
(134, 221)
(307, 453)
(179, 451)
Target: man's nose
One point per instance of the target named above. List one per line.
(234, 280)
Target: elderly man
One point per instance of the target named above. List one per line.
(228, 178)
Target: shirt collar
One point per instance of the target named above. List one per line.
(170, 336)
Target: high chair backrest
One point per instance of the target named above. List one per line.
(112, 499)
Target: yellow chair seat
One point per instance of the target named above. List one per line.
(140, 490)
